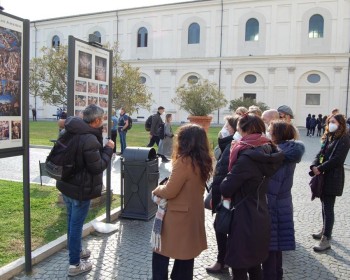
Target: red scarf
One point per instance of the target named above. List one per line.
(247, 142)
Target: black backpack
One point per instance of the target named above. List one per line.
(129, 123)
(60, 164)
(148, 123)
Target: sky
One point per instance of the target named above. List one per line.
(45, 9)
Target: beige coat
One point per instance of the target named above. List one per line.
(183, 233)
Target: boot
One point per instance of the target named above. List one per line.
(317, 236)
(322, 245)
(216, 268)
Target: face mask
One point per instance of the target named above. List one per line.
(332, 127)
(237, 136)
(224, 132)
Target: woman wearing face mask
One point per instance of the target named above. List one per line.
(224, 143)
(330, 161)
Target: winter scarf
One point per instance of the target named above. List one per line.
(158, 222)
(247, 142)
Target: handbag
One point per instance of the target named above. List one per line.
(316, 185)
(208, 197)
(224, 216)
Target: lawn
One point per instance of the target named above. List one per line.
(48, 221)
(41, 132)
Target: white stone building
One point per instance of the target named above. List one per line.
(293, 52)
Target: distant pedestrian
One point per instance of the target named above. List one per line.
(123, 123)
(330, 161)
(324, 120)
(313, 123)
(308, 119)
(319, 125)
(279, 197)
(114, 131)
(179, 228)
(166, 144)
(34, 114)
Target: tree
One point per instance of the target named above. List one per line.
(48, 76)
(200, 98)
(246, 102)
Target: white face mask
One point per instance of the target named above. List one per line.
(332, 127)
(224, 132)
(237, 136)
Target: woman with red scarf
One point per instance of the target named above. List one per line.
(253, 160)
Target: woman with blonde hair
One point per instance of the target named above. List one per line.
(330, 161)
(179, 230)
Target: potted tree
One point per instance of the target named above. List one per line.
(200, 99)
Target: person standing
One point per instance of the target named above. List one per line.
(253, 160)
(330, 161)
(180, 232)
(319, 125)
(154, 132)
(166, 144)
(224, 143)
(114, 131)
(279, 197)
(123, 123)
(77, 191)
(313, 123)
(308, 119)
(34, 114)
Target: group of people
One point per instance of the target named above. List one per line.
(255, 168)
(312, 123)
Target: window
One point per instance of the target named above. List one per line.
(252, 30)
(55, 42)
(98, 35)
(192, 79)
(314, 78)
(313, 99)
(142, 80)
(250, 79)
(316, 24)
(142, 37)
(250, 96)
(194, 33)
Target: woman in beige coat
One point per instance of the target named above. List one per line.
(183, 231)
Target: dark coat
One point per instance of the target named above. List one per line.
(279, 198)
(91, 160)
(156, 122)
(333, 168)
(221, 169)
(248, 242)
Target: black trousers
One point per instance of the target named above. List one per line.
(154, 140)
(328, 202)
(221, 241)
(254, 273)
(114, 139)
(182, 269)
(272, 267)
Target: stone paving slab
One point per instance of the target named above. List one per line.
(126, 254)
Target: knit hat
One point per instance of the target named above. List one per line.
(285, 110)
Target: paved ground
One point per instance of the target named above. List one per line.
(126, 254)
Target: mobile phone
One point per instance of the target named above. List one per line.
(164, 181)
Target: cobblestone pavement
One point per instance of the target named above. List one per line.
(126, 254)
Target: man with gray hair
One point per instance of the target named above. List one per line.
(91, 159)
(270, 115)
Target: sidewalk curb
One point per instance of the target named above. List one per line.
(16, 267)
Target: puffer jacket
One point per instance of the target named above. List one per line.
(248, 241)
(91, 160)
(279, 198)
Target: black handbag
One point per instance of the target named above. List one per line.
(225, 216)
(316, 185)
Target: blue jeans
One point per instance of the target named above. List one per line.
(122, 137)
(76, 214)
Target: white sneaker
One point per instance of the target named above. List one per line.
(82, 267)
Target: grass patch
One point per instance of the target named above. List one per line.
(41, 132)
(48, 221)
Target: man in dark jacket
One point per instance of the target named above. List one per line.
(154, 132)
(91, 160)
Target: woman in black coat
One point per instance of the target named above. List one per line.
(253, 159)
(221, 170)
(330, 161)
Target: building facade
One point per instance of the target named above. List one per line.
(292, 52)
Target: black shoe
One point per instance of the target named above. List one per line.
(165, 160)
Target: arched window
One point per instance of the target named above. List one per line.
(192, 79)
(194, 33)
(55, 43)
(142, 37)
(98, 35)
(252, 30)
(316, 24)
